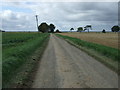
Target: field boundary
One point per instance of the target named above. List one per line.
(96, 55)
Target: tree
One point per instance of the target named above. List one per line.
(43, 27)
(87, 27)
(2, 31)
(115, 28)
(103, 31)
(80, 29)
(57, 31)
(71, 29)
(51, 27)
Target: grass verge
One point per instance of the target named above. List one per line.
(17, 58)
(106, 55)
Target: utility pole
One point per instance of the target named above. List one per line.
(37, 21)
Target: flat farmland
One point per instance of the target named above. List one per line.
(107, 39)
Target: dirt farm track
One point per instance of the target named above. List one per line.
(71, 70)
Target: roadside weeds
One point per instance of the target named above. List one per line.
(25, 74)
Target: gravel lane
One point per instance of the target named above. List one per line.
(65, 66)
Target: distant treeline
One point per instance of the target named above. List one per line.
(2, 31)
(44, 27)
(89, 27)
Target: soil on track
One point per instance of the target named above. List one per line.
(65, 66)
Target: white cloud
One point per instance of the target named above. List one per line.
(63, 15)
(61, 0)
(6, 14)
(16, 20)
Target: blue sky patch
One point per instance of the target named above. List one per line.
(17, 9)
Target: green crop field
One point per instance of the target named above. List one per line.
(106, 55)
(17, 47)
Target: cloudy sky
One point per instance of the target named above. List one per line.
(18, 15)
